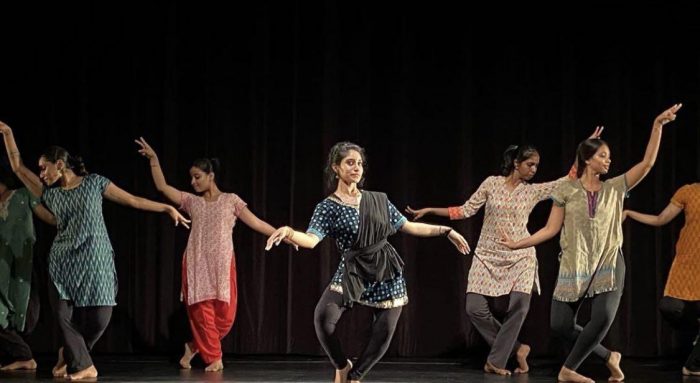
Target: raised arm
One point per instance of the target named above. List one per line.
(28, 178)
(168, 191)
(120, 196)
(554, 224)
(44, 214)
(640, 170)
(669, 213)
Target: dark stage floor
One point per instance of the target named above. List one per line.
(268, 369)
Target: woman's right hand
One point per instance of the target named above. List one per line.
(417, 214)
(506, 241)
(146, 150)
(278, 236)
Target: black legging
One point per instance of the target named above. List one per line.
(582, 341)
(78, 340)
(683, 315)
(326, 316)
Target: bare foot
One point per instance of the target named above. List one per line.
(687, 372)
(60, 370)
(26, 365)
(613, 363)
(341, 376)
(567, 375)
(491, 369)
(187, 357)
(521, 357)
(217, 365)
(88, 373)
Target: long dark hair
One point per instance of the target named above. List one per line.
(74, 163)
(339, 151)
(208, 166)
(586, 149)
(516, 153)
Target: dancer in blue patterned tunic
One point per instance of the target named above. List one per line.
(81, 260)
(371, 271)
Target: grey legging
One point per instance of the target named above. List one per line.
(503, 338)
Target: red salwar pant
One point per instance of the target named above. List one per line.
(211, 320)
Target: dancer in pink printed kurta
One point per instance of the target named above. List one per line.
(496, 270)
(209, 264)
(209, 257)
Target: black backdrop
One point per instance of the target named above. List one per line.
(434, 92)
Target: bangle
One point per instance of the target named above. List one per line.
(14, 153)
(446, 233)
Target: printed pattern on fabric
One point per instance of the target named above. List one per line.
(341, 222)
(209, 254)
(496, 270)
(589, 245)
(81, 260)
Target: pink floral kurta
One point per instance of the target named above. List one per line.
(497, 270)
(209, 251)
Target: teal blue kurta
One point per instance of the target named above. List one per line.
(81, 261)
(16, 250)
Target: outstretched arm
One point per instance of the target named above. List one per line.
(28, 178)
(669, 213)
(640, 170)
(419, 213)
(172, 194)
(468, 209)
(424, 230)
(287, 234)
(120, 196)
(258, 224)
(254, 222)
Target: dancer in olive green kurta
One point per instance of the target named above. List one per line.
(16, 251)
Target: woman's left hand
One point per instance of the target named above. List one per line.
(668, 115)
(459, 242)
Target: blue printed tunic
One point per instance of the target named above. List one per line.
(341, 222)
(81, 260)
